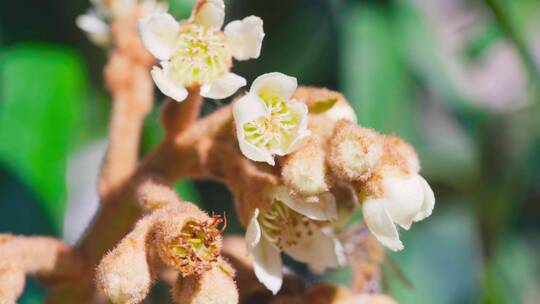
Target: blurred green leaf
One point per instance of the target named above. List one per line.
(513, 273)
(181, 9)
(374, 77)
(441, 259)
(40, 113)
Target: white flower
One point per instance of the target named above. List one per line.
(97, 30)
(292, 226)
(406, 198)
(267, 121)
(197, 52)
(95, 21)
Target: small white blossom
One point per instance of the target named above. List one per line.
(406, 198)
(198, 53)
(295, 227)
(267, 121)
(95, 22)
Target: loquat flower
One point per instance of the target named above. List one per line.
(197, 52)
(396, 194)
(95, 22)
(268, 122)
(294, 226)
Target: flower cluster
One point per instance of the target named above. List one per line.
(324, 164)
(328, 166)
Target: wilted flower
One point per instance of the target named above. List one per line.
(267, 121)
(197, 53)
(294, 226)
(95, 22)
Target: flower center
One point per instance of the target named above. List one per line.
(201, 56)
(276, 129)
(196, 248)
(284, 227)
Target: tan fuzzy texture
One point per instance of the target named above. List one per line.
(398, 157)
(304, 170)
(326, 107)
(176, 116)
(127, 75)
(124, 275)
(153, 193)
(354, 151)
(399, 153)
(44, 256)
(11, 284)
(367, 299)
(215, 286)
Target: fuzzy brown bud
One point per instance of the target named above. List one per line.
(124, 274)
(354, 151)
(304, 171)
(215, 286)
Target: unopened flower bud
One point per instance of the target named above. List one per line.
(304, 171)
(11, 284)
(354, 151)
(215, 286)
(124, 274)
(400, 154)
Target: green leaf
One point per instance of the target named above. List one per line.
(40, 114)
(374, 77)
(181, 9)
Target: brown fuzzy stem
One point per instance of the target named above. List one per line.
(128, 78)
(176, 117)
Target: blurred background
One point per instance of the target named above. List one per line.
(459, 79)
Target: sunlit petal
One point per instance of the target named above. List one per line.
(166, 85)
(223, 87)
(159, 33)
(380, 223)
(268, 265)
(404, 195)
(429, 201)
(323, 210)
(245, 37)
(209, 13)
(274, 84)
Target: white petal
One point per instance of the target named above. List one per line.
(223, 87)
(97, 30)
(268, 265)
(301, 111)
(380, 223)
(166, 85)
(323, 210)
(247, 109)
(253, 232)
(158, 34)
(404, 197)
(428, 203)
(245, 37)
(209, 13)
(319, 250)
(274, 84)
